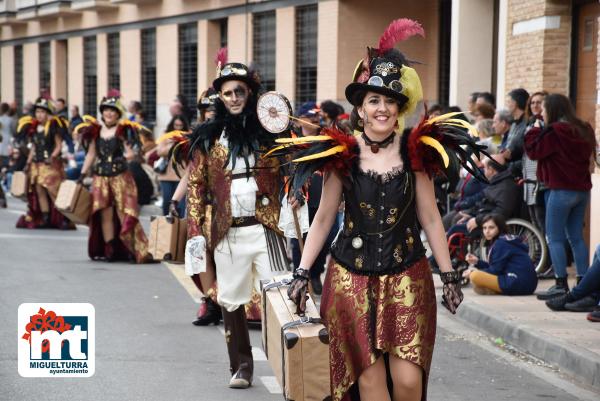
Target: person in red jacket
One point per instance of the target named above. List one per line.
(564, 149)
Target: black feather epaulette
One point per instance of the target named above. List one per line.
(333, 150)
(432, 145)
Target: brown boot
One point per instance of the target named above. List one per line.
(239, 349)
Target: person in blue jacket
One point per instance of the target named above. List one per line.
(509, 269)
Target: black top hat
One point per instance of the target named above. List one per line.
(384, 77)
(113, 100)
(236, 72)
(44, 103)
(207, 99)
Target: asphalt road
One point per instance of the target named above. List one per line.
(147, 348)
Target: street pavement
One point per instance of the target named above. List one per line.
(147, 348)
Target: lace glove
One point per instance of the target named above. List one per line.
(298, 289)
(173, 208)
(452, 295)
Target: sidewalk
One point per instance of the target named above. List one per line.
(566, 340)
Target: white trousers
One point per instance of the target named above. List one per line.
(242, 261)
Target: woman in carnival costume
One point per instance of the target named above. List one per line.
(45, 169)
(378, 297)
(115, 231)
(233, 207)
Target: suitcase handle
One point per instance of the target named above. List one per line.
(266, 288)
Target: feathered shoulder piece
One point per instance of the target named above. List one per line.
(133, 133)
(333, 150)
(431, 145)
(87, 131)
(26, 127)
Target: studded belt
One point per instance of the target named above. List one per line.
(245, 221)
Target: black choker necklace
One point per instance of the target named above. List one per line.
(376, 145)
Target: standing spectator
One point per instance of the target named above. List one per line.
(61, 108)
(501, 125)
(486, 98)
(564, 150)
(167, 177)
(435, 110)
(487, 136)
(75, 118)
(6, 128)
(516, 102)
(140, 118)
(471, 101)
(133, 108)
(483, 111)
(330, 112)
(533, 190)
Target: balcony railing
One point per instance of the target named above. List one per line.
(41, 9)
(92, 4)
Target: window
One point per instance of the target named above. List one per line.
(90, 78)
(18, 76)
(114, 66)
(263, 47)
(149, 73)
(306, 54)
(223, 31)
(44, 54)
(188, 66)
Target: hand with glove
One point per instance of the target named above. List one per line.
(173, 212)
(297, 291)
(452, 294)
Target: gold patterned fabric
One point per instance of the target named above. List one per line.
(369, 316)
(119, 191)
(48, 176)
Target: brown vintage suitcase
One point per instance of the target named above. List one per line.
(168, 236)
(18, 186)
(74, 202)
(296, 347)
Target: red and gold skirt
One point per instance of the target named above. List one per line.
(48, 176)
(369, 316)
(119, 192)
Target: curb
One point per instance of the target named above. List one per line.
(570, 359)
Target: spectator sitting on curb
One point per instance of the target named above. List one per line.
(509, 270)
(584, 296)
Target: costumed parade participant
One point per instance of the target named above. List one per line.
(44, 166)
(378, 298)
(233, 207)
(115, 230)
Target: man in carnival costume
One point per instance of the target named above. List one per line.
(233, 205)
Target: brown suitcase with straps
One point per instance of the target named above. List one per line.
(296, 346)
(18, 185)
(167, 238)
(74, 202)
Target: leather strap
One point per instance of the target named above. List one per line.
(244, 221)
(239, 176)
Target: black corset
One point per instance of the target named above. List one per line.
(380, 234)
(44, 145)
(110, 157)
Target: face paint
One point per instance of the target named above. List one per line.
(239, 92)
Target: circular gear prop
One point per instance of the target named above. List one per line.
(274, 112)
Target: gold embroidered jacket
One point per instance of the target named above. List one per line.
(208, 195)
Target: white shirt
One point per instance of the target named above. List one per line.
(243, 190)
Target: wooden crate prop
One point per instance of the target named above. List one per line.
(167, 239)
(74, 202)
(296, 346)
